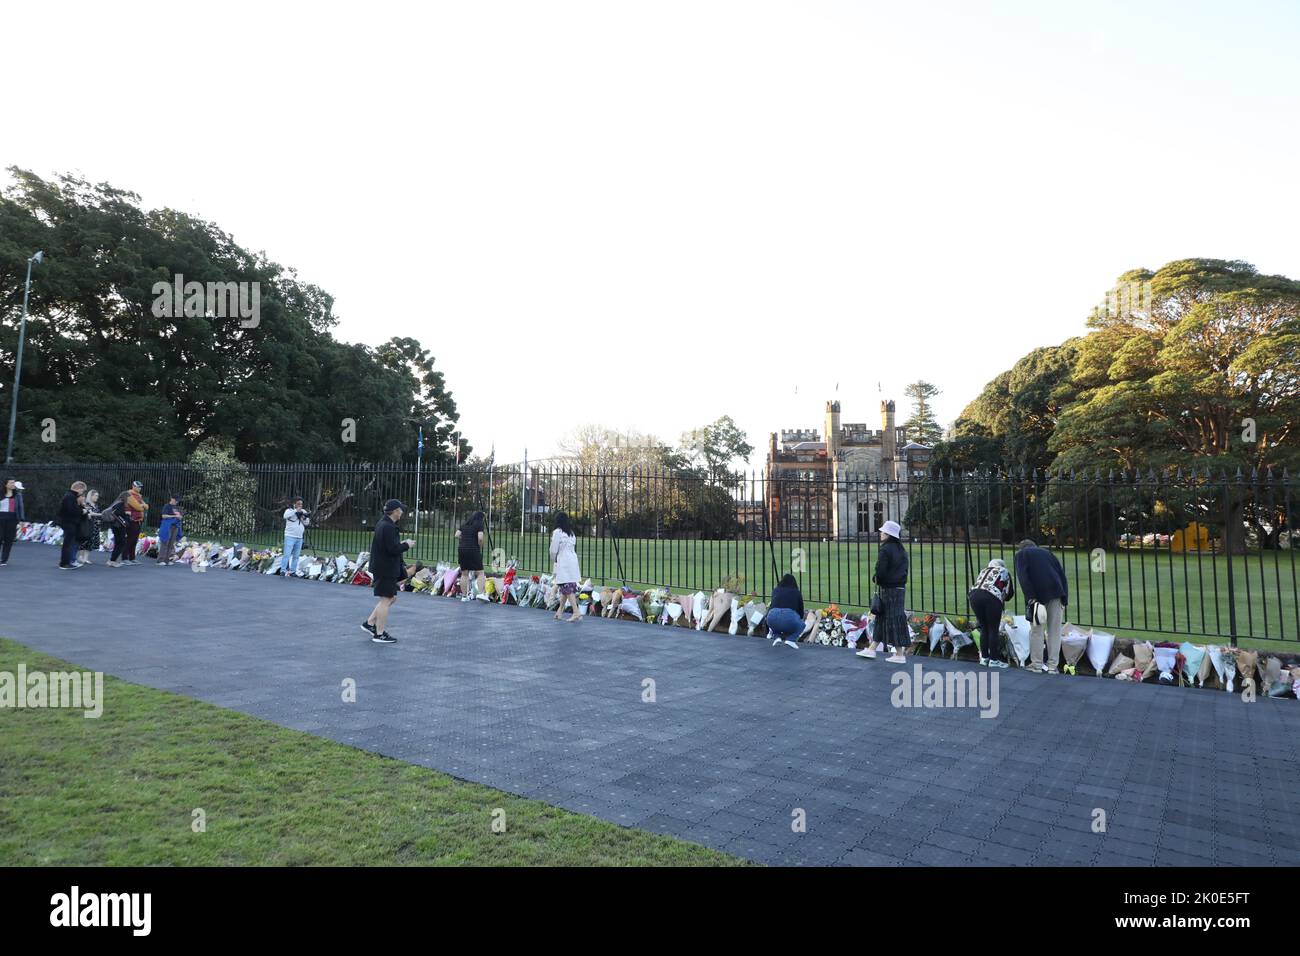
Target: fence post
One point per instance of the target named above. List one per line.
(1228, 547)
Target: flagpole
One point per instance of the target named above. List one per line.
(419, 459)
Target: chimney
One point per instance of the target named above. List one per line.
(832, 429)
(888, 440)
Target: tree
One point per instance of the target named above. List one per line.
(922, 427)
(715, 447)
(431, 403)
(1201, 372)
(126, 379)
(221, 503)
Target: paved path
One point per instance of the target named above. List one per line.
(739, 737)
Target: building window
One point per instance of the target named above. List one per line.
(864, 517)
(878, 510)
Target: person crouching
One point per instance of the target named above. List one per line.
(785, 612)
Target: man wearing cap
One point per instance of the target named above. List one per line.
(134, 512)
(1042, 582)
(11, 512)
(387, 569)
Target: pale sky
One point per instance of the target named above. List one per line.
(650, 214)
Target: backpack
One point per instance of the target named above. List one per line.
(112, 516)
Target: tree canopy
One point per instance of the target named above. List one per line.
(1200, 372)
(125, 383)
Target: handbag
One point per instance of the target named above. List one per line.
(876, 605)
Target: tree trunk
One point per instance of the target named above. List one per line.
(1234, 528)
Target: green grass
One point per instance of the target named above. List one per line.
(120, 791)
(1143, 594)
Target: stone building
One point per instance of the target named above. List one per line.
(844, 485)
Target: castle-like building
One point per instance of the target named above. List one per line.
(845, 485)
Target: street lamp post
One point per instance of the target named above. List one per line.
(18, 363)
(419, 460)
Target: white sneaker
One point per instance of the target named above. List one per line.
(776, 641)
(868, 653)
(464, 598)
(792, 644)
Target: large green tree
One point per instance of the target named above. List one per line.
(716, 446)
(123, 381)
(1198, 371)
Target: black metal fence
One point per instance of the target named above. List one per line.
(1189, 554)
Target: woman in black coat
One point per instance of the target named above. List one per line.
(469, 553)
(891, 628)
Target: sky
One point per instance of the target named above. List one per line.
(646, 215)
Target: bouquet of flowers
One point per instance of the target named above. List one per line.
(830, 626)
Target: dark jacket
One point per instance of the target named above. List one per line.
(786, 597)
(1041, 576)
(386, 551)
(891, 565)
(70, 513)
(18, 512)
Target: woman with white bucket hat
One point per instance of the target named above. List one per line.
(891, 628)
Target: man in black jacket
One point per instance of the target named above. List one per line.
(386, 570)
(1042, 582)
(70, 514)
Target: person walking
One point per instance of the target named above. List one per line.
(469, 548)
(11, 512)
(136, 509)
(1047, 592)
(295, 525)
(785, 612)
(386, 569)
(564, 552)
(115, 516)
(890, 628)
(70, 514)
(988, 600)
(88, 529)
(169, 531)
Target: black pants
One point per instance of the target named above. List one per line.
(125, 540)
(68, 552)
(8, 531)
(988, 611)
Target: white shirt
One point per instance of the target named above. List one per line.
(293, 528)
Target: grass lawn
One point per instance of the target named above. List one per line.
(121, 790)
(1145, 593)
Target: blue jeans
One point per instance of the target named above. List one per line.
(784, 623)
(292, 548)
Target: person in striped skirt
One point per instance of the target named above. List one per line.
(891, 577)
